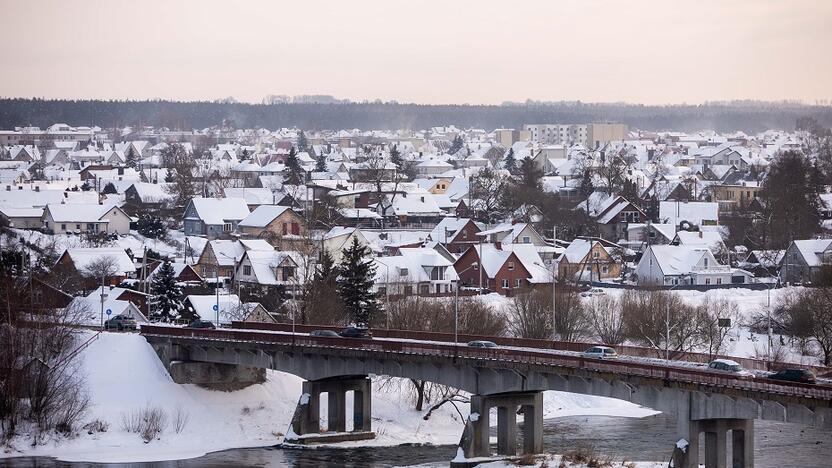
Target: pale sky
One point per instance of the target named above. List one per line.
(448, 51)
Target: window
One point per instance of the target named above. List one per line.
(295, 229)
(226, 227)
(527, 240)
(288, 272)
(605, 269)
(403, 272)
(706, 262)
(285, 228)
(77, 226)
(90, 227)
(408, 290)
(719, 281)
(517, 283)
(505, 284)
(595, 254)
(382, 290)
(707, 281)
(510, 266)
(63, 227)
(247, 270)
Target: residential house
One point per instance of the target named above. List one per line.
(65, 218)
(492, 268)
(513, 233)
(213, 217)
(614, 215)
(690, 213)
(456, 234)
(804, 260)
(21, 218)
(72, 271)
(267, 268)
(710, 239)
(589, 259)
(219, 258)
(673, 265)
(422, 271)
(339, 238)
(279, 224)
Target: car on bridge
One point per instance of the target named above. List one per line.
(794, 375)
(328, 333)
(201, 324)
(120, 322)
(727, 366)
(355, 332)
(482, 344)
(600, 352)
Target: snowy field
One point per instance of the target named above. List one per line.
(124, 374)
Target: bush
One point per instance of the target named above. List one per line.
(148, 422)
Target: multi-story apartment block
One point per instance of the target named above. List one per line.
(557, 134)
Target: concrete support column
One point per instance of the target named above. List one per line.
(480, 410)
(507, 430)
(742, 444)
(311, 422)
(533, 425)
(362, 407)
(337, 410)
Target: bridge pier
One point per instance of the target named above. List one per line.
(716, 446)
(474, 443)
(306, 425)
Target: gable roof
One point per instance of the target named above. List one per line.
(78, 213)
(812, 250)
(82, 258)
(448, 229)
(263, 215)
(217, 211)
(675, 260)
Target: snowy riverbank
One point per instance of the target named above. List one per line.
(123, 374)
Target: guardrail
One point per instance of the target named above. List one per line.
(526, 357)
(637, 351)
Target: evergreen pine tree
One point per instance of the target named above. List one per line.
(131, 157)
(166, 297)
(109, 189)
(296, 175)
(320, 164)
(456, 145)
(395, 156)
(510, 163)
(355, 284)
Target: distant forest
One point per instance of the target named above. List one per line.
(748, 116)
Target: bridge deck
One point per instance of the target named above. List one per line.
(822, 394)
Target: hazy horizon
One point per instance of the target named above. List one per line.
(639, 52)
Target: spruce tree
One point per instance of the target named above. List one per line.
(395, 156)
(109, 189)
(166, 297)
(296, 175)
(355, 283)
(456, 145)
(510, 163)
(320, 164)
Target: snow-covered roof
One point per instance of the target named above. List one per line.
(204, 304)
(448, 229)
(264, 262)
(812, 250)
(152, 193)
(217, 211)
(674, 212)
(263, 215)
(530, 258)
(707, 239)
(252, 196)
(675, 260)
(491, 257)
(416, 263)
(82, 258)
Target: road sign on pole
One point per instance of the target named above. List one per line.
(109, 311)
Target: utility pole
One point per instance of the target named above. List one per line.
(554, 279)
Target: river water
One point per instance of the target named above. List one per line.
(777, 445)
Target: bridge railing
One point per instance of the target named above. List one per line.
(637, 351)
(526, 357)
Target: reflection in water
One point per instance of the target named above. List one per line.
(777, 445)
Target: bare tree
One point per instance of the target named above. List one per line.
(716, 339)
(660, 320)
(530, 315)
(605, 318)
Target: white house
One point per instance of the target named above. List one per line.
(423, 271)
(672, 265)
(62, 218)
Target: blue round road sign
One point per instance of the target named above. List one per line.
(109, 311)
(215, 307)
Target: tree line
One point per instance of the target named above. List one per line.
(746, 116)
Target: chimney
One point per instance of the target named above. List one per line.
(422, 198)
(498, 245)
(37, 188)
(8, 188)
(700, 234)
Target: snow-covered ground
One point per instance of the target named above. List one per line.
(123, 374)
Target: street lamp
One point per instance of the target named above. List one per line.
(456, 304)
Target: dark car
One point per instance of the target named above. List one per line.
(794, 375)
(201, 324)
(355, 332)
(120, 322)
(482, 344)
(323, 333)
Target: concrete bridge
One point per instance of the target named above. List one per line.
(508, 379)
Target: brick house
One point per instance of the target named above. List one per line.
(500, 271)
(456, 234)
